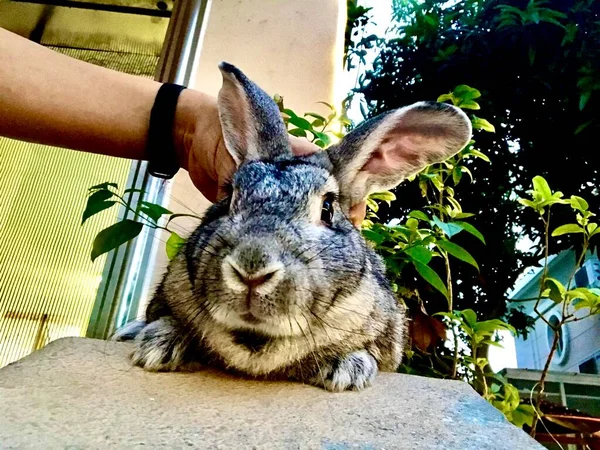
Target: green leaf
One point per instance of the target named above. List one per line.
(458, 252)
(450, 228)
(90, 211)
(465, 169)
(580, 293)
(97, 202)
(585, 298)
(583, 126)
(523, 415)
(329, 105)
(298, 132)
(300, 123)
(419, 215)
(492, 343)
(419, 253)
(431, 277)
(478, 154)
(372, 205)
(290, 113)
(463, 215)
(555, 288)
(103, 186)
(541, 185)
(153, 210)
(528, 203)
(482, 124)
(579, 203)
(412, 224)
(466, 92)
(175, 216)
(470, 229)
(567, 229)
(457, 174)
(315, 116)
(174, 243)
(373, 236)
(322, 136)
(470, 316)
(115, 235)
(531, 55)
(444, 97)
(584, 98)
(490, 326)
(430, 20)
(383, 196)
(469, 104)
(344, 120)
(132, 190)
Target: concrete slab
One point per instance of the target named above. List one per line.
(83, 394)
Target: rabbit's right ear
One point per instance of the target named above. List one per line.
(251, 122)
(383, 151)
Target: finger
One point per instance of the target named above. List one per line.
(301, 147)
(358, 213)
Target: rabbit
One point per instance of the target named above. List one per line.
(276, 282)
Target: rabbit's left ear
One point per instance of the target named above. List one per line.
(382, 152)
(251, 122)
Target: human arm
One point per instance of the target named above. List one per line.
(52, 99)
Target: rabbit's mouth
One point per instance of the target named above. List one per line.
(251, 318)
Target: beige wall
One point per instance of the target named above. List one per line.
(289, 47)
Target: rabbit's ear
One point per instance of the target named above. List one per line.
(383, 151)
(252, 126)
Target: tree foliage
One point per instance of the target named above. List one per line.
(537, 66)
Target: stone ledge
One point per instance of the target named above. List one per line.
(82, 393)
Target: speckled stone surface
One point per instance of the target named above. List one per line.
(83, 394)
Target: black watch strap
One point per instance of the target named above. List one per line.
(162, 157)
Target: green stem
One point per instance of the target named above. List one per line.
(545, 272)
(579, 260)
(449, 281)
(558, 328)
(479, 374)
(455, 359)
(136, 214)
(542, 382)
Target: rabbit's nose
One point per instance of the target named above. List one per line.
(262, 281)
(254, 280)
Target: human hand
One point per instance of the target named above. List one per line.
(202, 152)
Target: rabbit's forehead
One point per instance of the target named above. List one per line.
(287, 179)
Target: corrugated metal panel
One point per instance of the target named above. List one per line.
(48, 283)
(132, 63)
(106, 31)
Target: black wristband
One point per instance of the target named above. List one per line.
(162, 157)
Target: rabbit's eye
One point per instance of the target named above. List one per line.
(327, 209)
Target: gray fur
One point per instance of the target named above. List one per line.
(321, 311)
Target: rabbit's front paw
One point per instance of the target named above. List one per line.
(354, 371)
(159, 346)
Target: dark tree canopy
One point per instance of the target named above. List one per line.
(537, 65)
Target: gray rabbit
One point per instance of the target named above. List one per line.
(276, 282)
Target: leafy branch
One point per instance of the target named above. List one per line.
(106, 195)
(570, 301)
